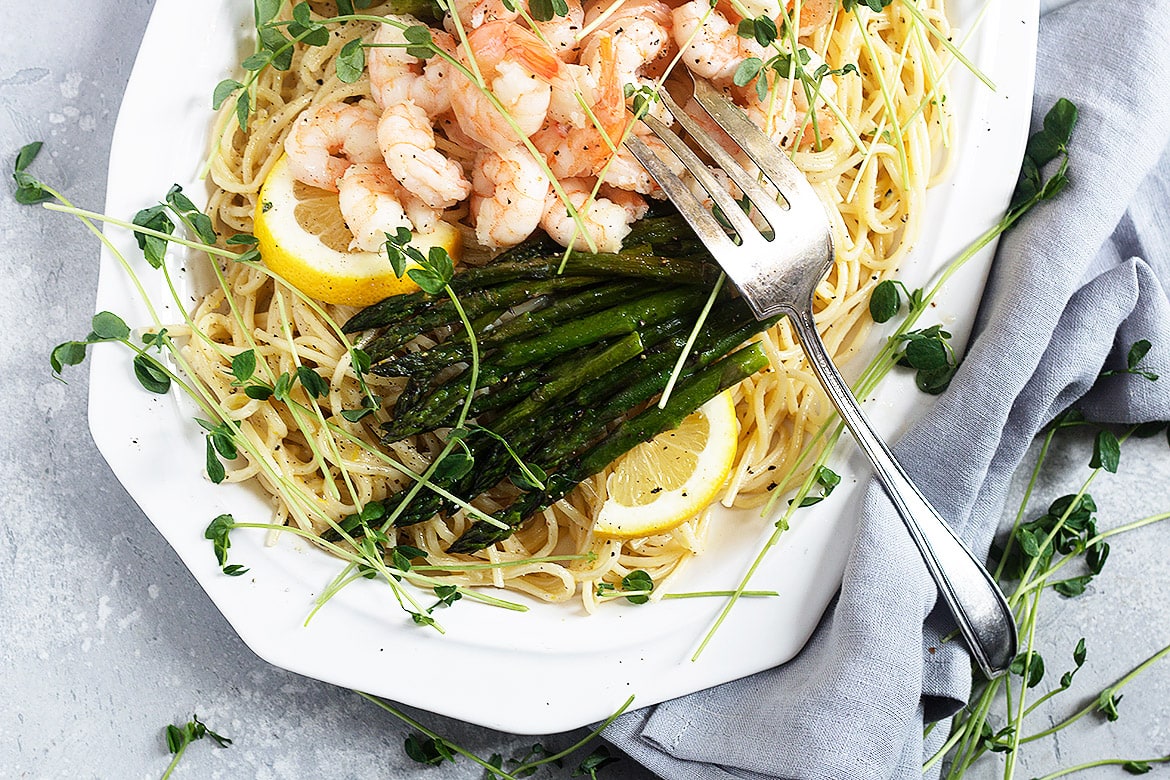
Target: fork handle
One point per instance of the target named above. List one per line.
(978, 605)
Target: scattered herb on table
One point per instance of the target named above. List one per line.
(180, 737)
(1038, 556)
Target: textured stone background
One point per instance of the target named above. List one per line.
(105, 638)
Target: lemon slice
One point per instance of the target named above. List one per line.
(664, 482)
(303, 238)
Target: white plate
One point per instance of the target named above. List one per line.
(561, 669)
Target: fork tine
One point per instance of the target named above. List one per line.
(709, 231)
(764, 201)
(772, 161)
(727, 204)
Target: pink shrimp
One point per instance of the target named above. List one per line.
(396, 75)
(606, 218)
(508, 196)
(324, 141)
(407, 141)
(517, 69)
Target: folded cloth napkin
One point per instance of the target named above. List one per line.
(1073, 286)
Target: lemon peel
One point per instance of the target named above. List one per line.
(662, 483)
(303, 238)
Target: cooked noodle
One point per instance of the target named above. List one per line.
(876, 209)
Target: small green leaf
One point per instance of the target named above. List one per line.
(638, 580)
(215, 470)
(351, 61)
(223, 91)
(1137, 352)
(70, 353)
(108, 326)
(447, 594)
(1079, 653)
(314, 384)
(1106, 452)
(747, 70)
(427, 750)
(1030, 667)
(243, 107)
(531, 477)
(1096, 556)
(153, 247)
(151, 374)
(1061, 119)
(1107, 704)
(244, 365)
(935, 381)
(266, 11)
(595, 761)
(217, 531)
(259, 392)
(235, 570)
(175, 739)
(1043, 148)
(1073, 586)
(454, 466)
(26, 155)
(1136, 767)
(926, 354)
(257, 61)
(885, 301)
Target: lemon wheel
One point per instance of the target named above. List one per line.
(666, 481)
(303, 238)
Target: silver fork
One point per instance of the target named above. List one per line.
(780, 277)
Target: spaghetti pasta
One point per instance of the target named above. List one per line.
(871, 149)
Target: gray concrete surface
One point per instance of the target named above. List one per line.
(105, 638)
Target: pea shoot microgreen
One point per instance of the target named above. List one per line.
(431, 751)
(428, 747)
(1065, 534)
(1133, 362)
(28, 189)
(593, 763)
(217, 531)
(180, 737)
(874, 5)
(636, 588)
(827, 480)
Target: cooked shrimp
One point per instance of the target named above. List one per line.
(607, 221)
(561, 31)
(508, 196)
(813, 14)
(572, 86)
(517, 68)
(396, 75)
(369, 199)
(573, 152)
(324, 141)
(641, 39)
(407, 141)
(712, 49)
(477, 13)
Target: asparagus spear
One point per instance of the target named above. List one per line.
(689, 395)
(532, 342)
(528, 412)
(616, 321)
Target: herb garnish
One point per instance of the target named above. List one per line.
(179, 737)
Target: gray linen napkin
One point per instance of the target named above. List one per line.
(1076, 282)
